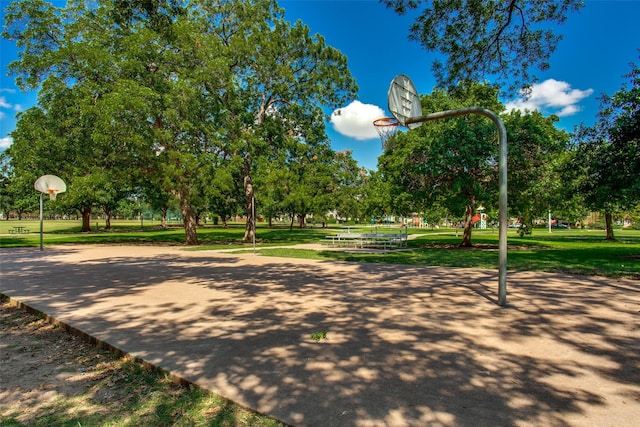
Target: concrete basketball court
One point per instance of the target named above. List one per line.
(405, 345)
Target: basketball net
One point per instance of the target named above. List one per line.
(52, 194)
(386, 128)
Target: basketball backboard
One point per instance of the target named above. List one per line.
(51, 185)
(404, 101)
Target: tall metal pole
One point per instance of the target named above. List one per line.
(41, 228)
(502, 183)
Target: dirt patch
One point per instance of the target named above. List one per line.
(41, 362)
(49, 376)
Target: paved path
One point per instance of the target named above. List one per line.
(406, 345)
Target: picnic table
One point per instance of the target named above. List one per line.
(368, 240)
(18, 230)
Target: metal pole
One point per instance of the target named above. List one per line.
(41, 228)
(549, 220)
(253, 214)
(502, 183)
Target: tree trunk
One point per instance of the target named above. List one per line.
(107, 220)
(466, 235)
(609, 225)
(163, 221)
(302, 220)
(189, 221)
(86, 220)
(249, 203)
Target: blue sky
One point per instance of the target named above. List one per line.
(599, 44)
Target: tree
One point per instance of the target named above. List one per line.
(89, 126)
(77, 137)
(281, 76)
(453, 162)
(16, 191)
(309, 181)
(483, 39)
(171, 88)
(607, 155)
(536, 148)
(347, 182)
(377, 195)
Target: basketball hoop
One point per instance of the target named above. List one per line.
(51, 185)
(386, 128)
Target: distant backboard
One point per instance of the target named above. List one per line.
(404, 101)
(51, 185)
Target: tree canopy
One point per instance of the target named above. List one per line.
(166, 91)
(453, 162)
(451, 166)
(606, 159)
(481, 40)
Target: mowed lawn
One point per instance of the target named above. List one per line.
(562, 250)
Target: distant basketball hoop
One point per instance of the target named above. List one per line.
(51, 185)
(386, 128)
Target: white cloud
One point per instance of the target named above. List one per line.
(552, 96)
(7, 105)
(5, 142)
(356, 120)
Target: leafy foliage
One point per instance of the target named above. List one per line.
(152, 98)
(483, 39)
(606, 160)
(536, 150)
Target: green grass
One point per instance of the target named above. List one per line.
(60, 232)
(575, 252)
(570, 251)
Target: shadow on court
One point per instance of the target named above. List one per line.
(405, 345)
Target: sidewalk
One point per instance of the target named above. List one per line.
(405, 345)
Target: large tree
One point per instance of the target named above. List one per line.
(536, 151)
(173, 88)
(281, 77)
(482, 39)
(91, 125)
(607, 155)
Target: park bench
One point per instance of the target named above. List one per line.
(18, 230)
(346, 239)
(368, 240)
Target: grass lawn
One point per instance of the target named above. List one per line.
(58, 232)
(577, 252)
(570, 251)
